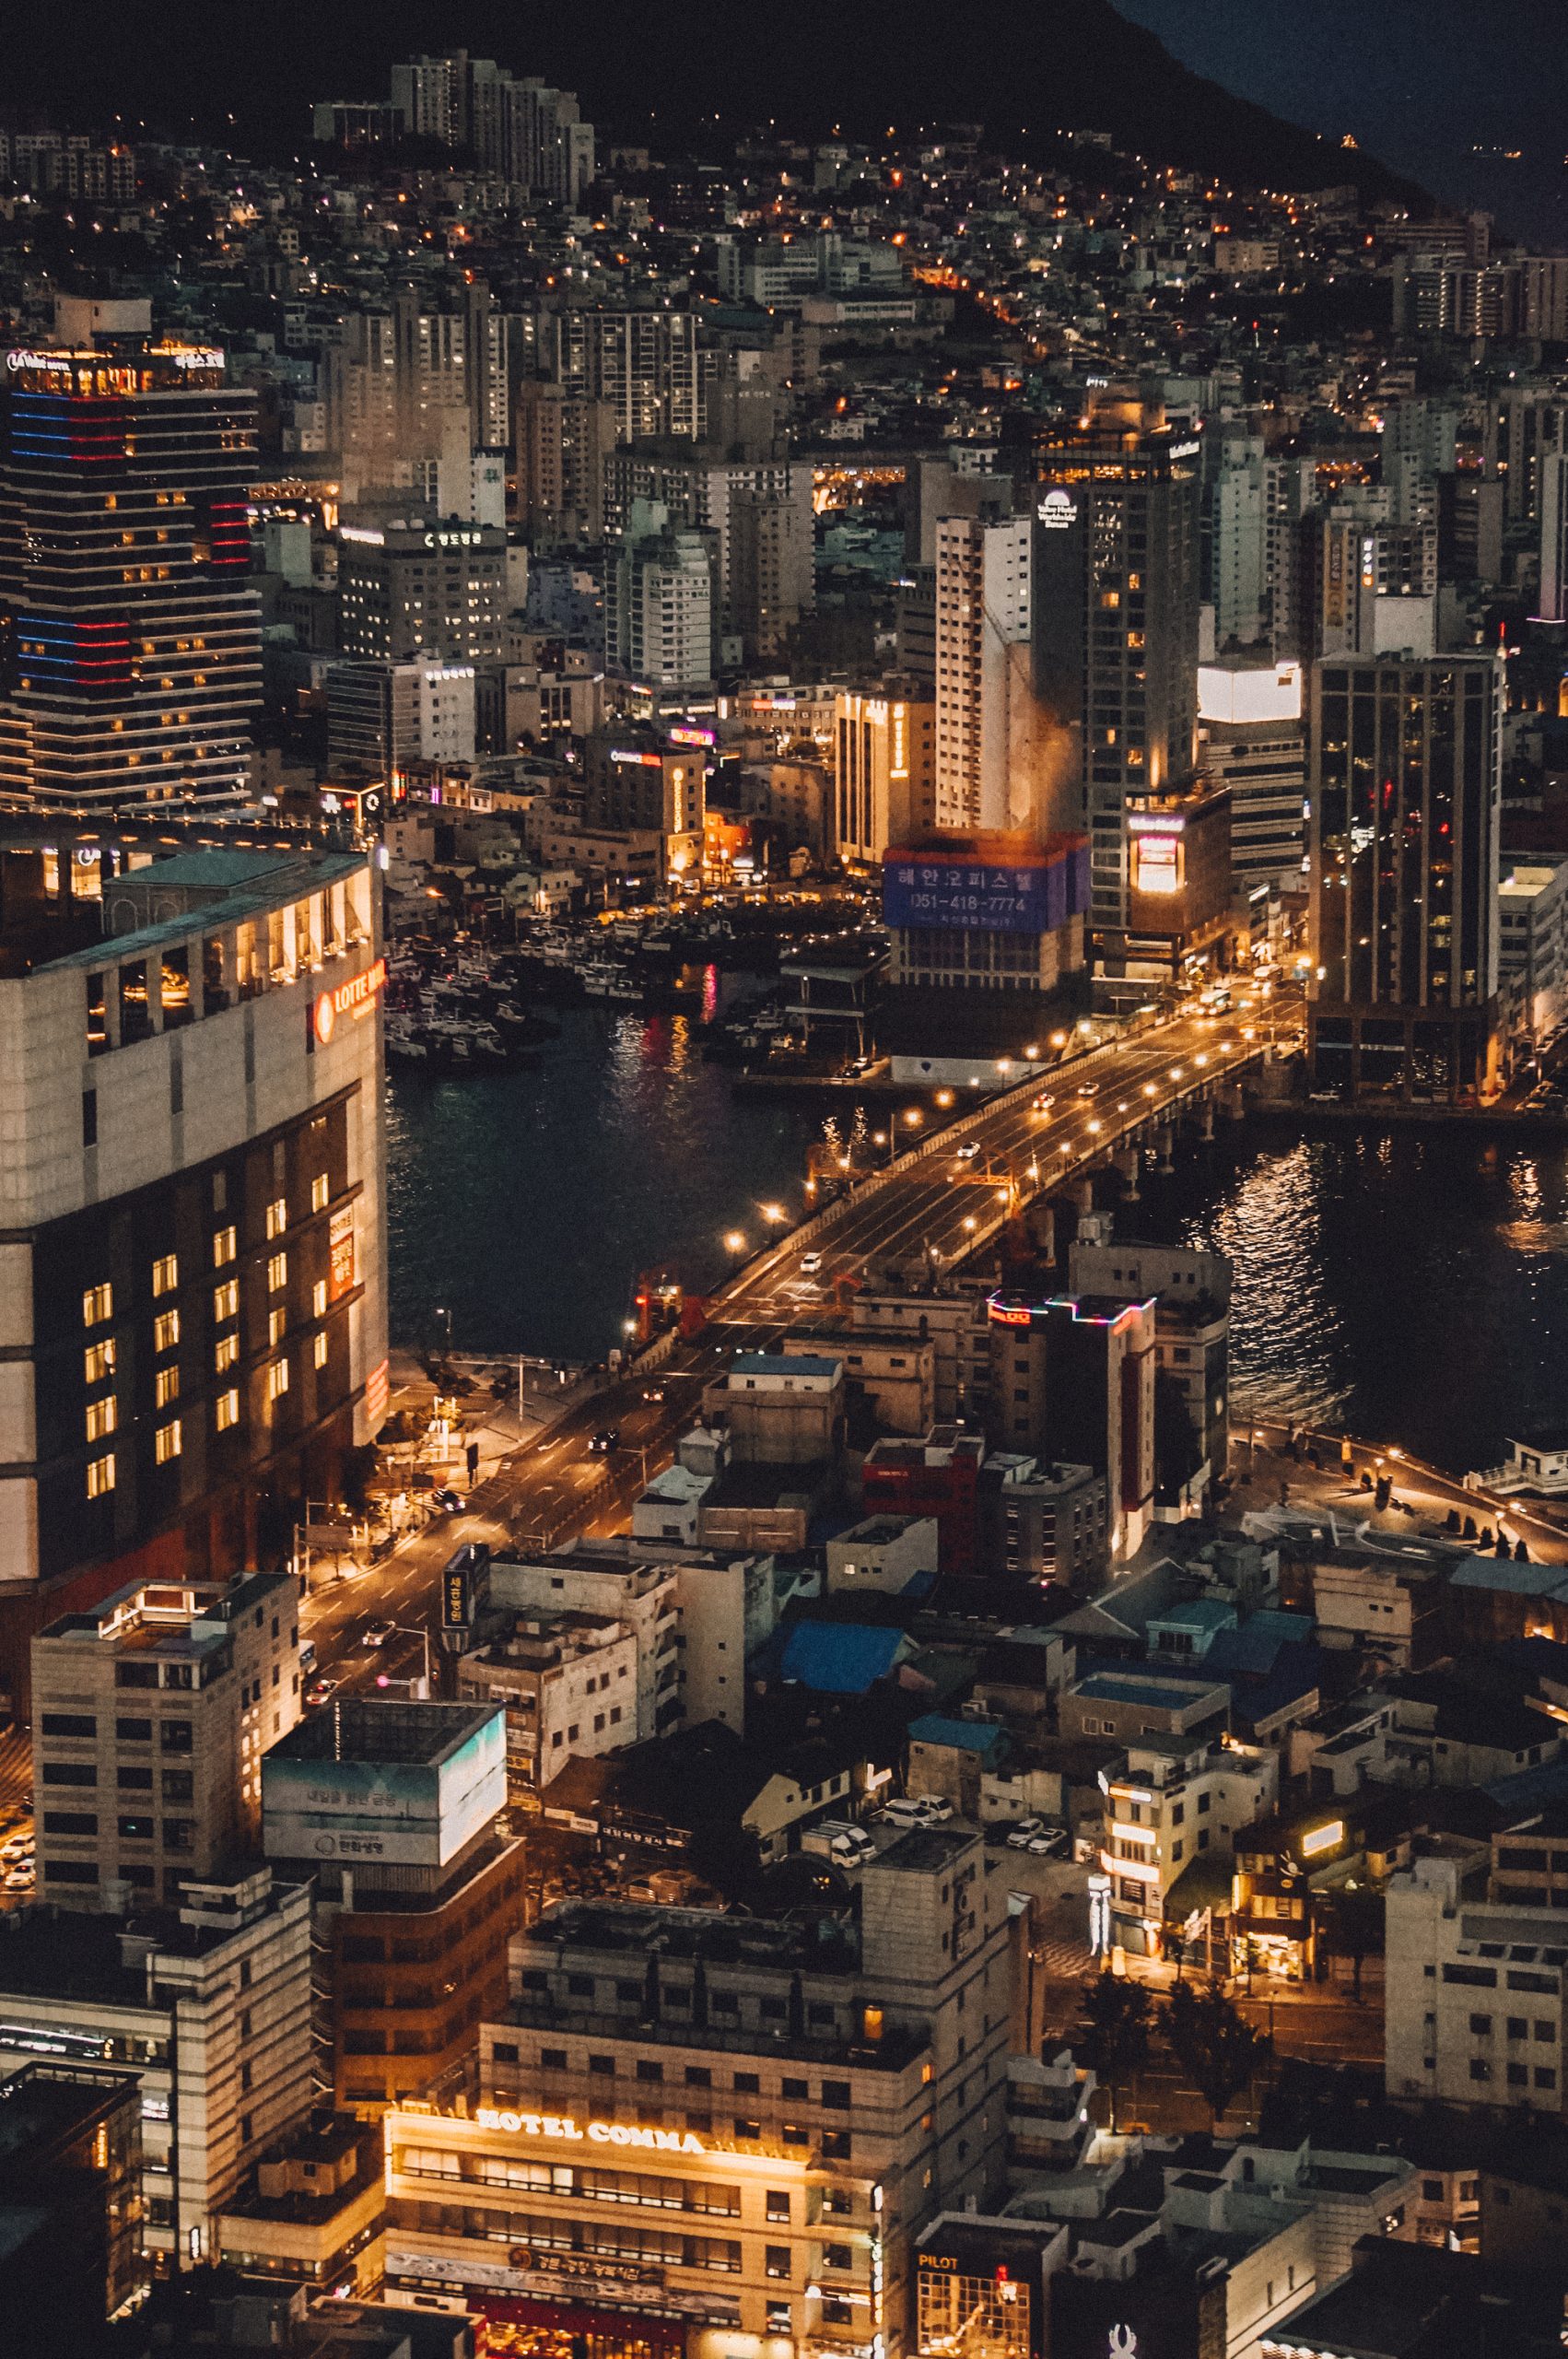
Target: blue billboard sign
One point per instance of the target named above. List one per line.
(961, 893)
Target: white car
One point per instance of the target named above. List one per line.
(919, 1810)
(1024, 1834)
(1051, 1845)
(810, 1264)
(21, 1879)
(967, 1152)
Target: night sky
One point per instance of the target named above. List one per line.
(1417, 81)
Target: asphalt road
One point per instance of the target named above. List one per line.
(556, 1484)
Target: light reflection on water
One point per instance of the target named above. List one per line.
(1414, 1282)
(528, 1201)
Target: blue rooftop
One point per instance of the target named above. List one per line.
(983, 1737)
(840, 1657)
(1196, 1614)
(1256, 1647)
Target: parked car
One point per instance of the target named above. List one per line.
(321, 1691)
(916, 1809)
(604, 1442)
(1054, 1844)
(1023, 1835)
(376, 1634)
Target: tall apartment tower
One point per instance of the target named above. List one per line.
(1236, 541)
(563, 442)
(659, 618)
(130, 639)
(983, 610)
(151, 1714)
(758, 509)
(883, 770)
(1115, 623)
(1406, 765)
(643, 363)
(1553, 603)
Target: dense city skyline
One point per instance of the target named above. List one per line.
(784, 1186)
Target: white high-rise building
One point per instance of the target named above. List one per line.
(659, 622)
(1236, 544)
(983, 666)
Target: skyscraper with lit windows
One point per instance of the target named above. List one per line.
(1406, 797)
(130, 639)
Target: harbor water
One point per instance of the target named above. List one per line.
(1413, 1283)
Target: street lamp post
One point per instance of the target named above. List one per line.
(420, 1630)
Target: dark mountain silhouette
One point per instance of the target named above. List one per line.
(1022, 68)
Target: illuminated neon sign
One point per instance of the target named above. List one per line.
(1323, 1839)
(1007, 1314)
(1157, 864)
(598, 2133)
(1058, 510)
(355, 999)
(25, 359)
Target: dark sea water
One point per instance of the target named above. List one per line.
(527, 1202)
(1413, 1283)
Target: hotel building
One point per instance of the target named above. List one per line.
(718, 2136)
(132, 637)
(193, 1321)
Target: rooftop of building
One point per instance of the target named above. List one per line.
(366, 1729)
(176, 1617)
(944, 1446)
(45, 2106)
(784, 1363)
(219, 879)
(618, 1928)
(878, 1530)
(72, 1954)
(984, 1738)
